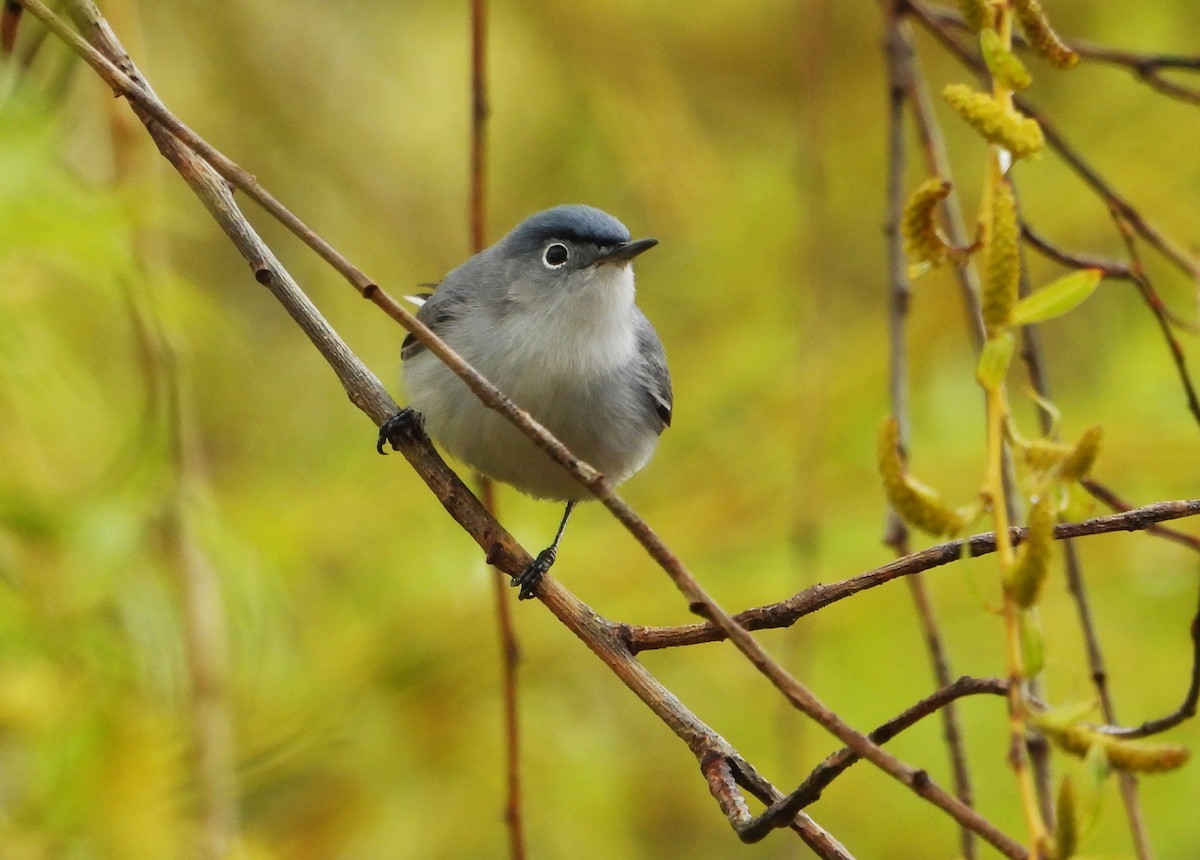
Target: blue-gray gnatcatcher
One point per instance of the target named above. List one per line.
(547, 315)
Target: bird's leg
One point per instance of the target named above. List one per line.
(532, 575)
(406, 422)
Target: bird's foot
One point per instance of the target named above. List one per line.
(532, 575)
(406, 422)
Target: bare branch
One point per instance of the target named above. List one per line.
(1148, 68)
(725, 775)
(1108, 497)
(1187, 708)
(1162, 315)
(903, 88)
(1113, 269)
(786, 612)
(780, 813)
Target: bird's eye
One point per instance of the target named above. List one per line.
(555, 256)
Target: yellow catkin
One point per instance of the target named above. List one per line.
(1129, 755)
(1082, 456)
(1028, 572)
(1003, 126)
(918, 505)
(1066, 829)
(922, 241)
(1003, 272)
(977, 14)
(1004, 65)
(1145, 757)
(1041, 35)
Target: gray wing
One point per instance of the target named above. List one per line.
(654, 369)
(437, 310)
(456, 291)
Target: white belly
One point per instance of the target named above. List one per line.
(592, 419)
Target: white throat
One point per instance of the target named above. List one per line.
(589, 330)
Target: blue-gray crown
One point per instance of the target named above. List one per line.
(573, 222)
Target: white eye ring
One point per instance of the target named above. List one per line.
(555, 256)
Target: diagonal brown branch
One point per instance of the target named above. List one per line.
(782, 811)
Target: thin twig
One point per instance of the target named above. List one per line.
(786, 612)
(1112, 500)
(510, 651)
(510, 665)
(1188, 707)
(1147, 68)
(780, 813)
(10, 19)
(1185, 711)
(901, 65)
(726, 775)
(1162, 315)
(1112, 269)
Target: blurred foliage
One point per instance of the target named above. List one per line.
(749, 138)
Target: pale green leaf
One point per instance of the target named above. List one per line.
(1057, 298)
(994, 360)
(1089, 790)
(1033, 644)
(1065, 716)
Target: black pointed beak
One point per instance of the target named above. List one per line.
(625, 252)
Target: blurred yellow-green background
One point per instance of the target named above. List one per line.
(364, 695)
